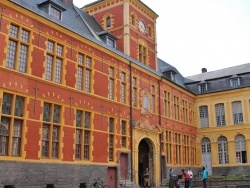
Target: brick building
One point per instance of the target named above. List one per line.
(84, 96)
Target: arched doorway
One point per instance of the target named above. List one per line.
(206, 155)
(145, 156)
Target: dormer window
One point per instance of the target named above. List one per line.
(55, 12)
(108, 38)
(52, 8)
(202, 87)
(235, 81)
(170, 75)
(111, 42)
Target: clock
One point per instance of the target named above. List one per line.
(142, 26)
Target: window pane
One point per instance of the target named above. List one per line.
(13, 31)
(204, 121)
(86, 144)
(79, 78)
(220, 114)
(19, 105)
(11, 55)
(16, 142)
(59, 50)
(56, 118)
(79, 115)
(78, 144)
(87, 120)
(48, 71)
(7, 103)
(87, 81)
(50, 46)
(45, 141)
(23, 58)
(55, 142)
(4, 135)
(25, 36)
(58, 71)
(46, 112)
(237, 112)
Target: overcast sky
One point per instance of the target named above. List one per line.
(195, 34)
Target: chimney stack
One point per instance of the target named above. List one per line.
(69, 2)
(203, 70)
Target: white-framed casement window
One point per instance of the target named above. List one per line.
(204, 119)
(202, 88)
(223, 150)
(220, 114)
(235, 82)
(240, 149)
(237, 112)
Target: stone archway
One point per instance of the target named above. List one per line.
(145, 159)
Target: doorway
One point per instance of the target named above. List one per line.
(145, 159)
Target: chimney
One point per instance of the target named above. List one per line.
(203, 70)
(69, 2)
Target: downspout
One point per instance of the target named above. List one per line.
(159, 102)
(130, 118)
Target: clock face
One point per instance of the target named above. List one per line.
(142, 26)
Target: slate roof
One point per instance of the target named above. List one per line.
(164, 66)
(226, 72)
(81, 23)
(73, 18)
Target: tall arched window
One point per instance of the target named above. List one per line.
(223, 150)
(205, 146)
(108, 21)
(240, 149)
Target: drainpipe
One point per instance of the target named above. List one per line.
(130, 118)
(159, 102)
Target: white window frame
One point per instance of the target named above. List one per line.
(202, 88)
(204, 116)
(235, 82)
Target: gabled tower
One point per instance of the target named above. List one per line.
(132, 23)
